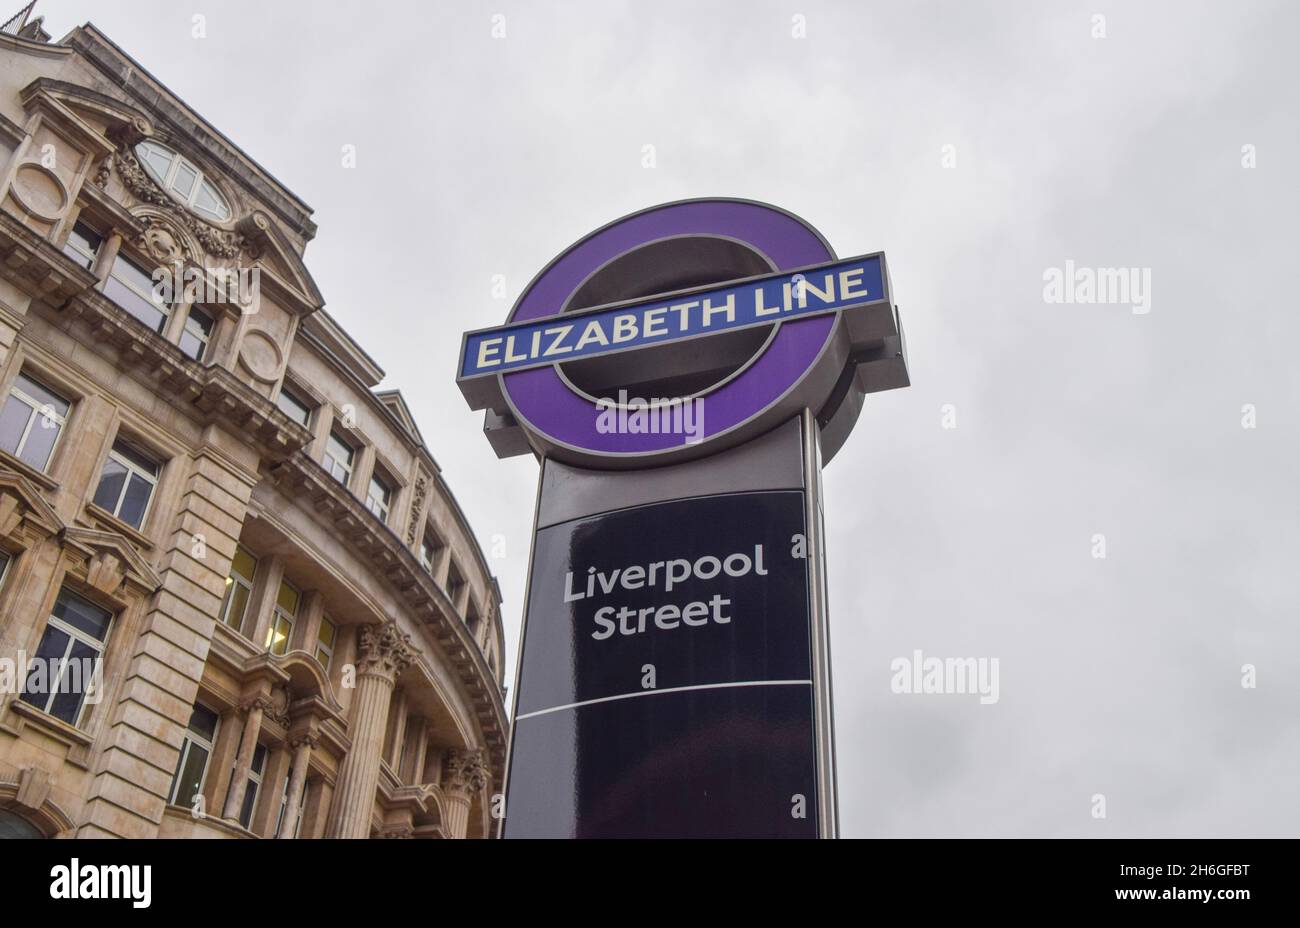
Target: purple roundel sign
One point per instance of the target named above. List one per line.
(731, 313)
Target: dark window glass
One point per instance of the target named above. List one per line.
(203, 722)
(126, 484)
(198, 329)
(13, 826)
(192, 763)
(110, 485)
(37, 687)
(73, 683)
(190, 775)
(293, 407)
(64, 656)
(254, 783)
(83, 244)
(135, 502)
(83, 616)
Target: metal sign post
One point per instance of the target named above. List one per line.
(682, 374)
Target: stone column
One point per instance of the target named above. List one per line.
(384, 652)
(466, 774)
(297, 777)
(244, 760)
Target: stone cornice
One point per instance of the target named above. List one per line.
(376, 542)
(214, 393)
(21, 503)
(136, 83)
(37, 267)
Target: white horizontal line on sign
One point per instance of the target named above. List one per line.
(673, 689)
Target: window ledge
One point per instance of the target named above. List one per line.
(106, 520)
(38, 477)
(225, 827)
(57, 729)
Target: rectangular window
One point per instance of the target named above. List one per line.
(31, 421)
(455, 583)
(430, 547)
(239, 587)
(4, 566)
(83, 245)
(286, 611)
(379, 497)
(192, 766)
(131, 287)
(198, 332)
(126, 484)
(62, 674)
(255, 770)
(293, 407)
(339, 456)
(325, 642)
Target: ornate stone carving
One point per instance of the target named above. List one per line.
(308, 741)
(417, 506)
(278, 710)
(215, 241)
(466, 771)
(105, 572)
(161, 242)
(384, 650)
(262, 702)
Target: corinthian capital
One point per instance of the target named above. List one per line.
(466, 771)
(384, 650)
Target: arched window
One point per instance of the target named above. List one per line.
(14, 826)
(184, 180)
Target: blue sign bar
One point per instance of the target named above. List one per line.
(689, 314)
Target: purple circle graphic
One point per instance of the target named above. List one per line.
(540, 399)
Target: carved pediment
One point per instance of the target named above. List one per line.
(124, 125)
(278, 258)
(396, 404)
(112, 561)
(116, 114)
(22, 504)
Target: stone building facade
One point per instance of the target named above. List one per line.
(287, 626)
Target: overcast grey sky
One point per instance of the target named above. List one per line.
(1120, 676)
